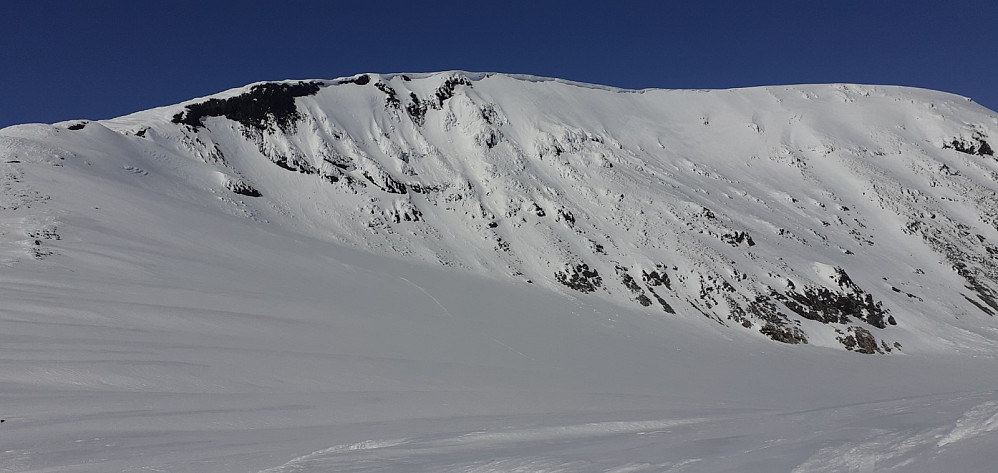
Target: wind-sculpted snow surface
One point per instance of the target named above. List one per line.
(478, 272)
(766, 442)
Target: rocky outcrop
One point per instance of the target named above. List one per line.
(262, 107)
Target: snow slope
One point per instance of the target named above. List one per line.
(157, 315)
(853, 216)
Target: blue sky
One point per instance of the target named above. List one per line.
(63, 60)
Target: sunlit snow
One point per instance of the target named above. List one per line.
(399, 296)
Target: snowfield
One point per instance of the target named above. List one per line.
(461, 272)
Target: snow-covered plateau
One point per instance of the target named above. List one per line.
(467, 272)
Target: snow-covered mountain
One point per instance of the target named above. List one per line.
(862, 217)
(486, 272)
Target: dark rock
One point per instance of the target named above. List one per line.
(784, 334)
(424, 189)
(340, 162)
(627, 280)
(537, 210)
(640, 296)
(566, 216)
(980, 306)
(580, 278)
(984, 293)
(446, 90)
(392, 100)
(44, 234)
(974, 146)
(490, 115)
(632, 285)
(490, 139)
(387, 183)
(296, 165)
(262, 107)
(775, 324)
(860, 340)
(665, 305)
(966, 260)
(362, 79)
(657, 277)
(77, 126)
(737, 238)
(416, 110)
(984, 149)
(827, 306)
(242, 188)
(411, 214)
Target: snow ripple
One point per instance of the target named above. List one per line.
(464, 453)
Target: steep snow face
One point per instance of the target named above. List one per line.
(859, 217)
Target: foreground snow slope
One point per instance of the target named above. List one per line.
(148, 324)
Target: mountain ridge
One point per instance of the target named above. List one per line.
(851, 216)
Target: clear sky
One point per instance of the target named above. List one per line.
(95, 59)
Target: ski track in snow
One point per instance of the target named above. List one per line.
(424, 291)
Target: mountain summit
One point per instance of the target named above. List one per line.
(853, 216)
